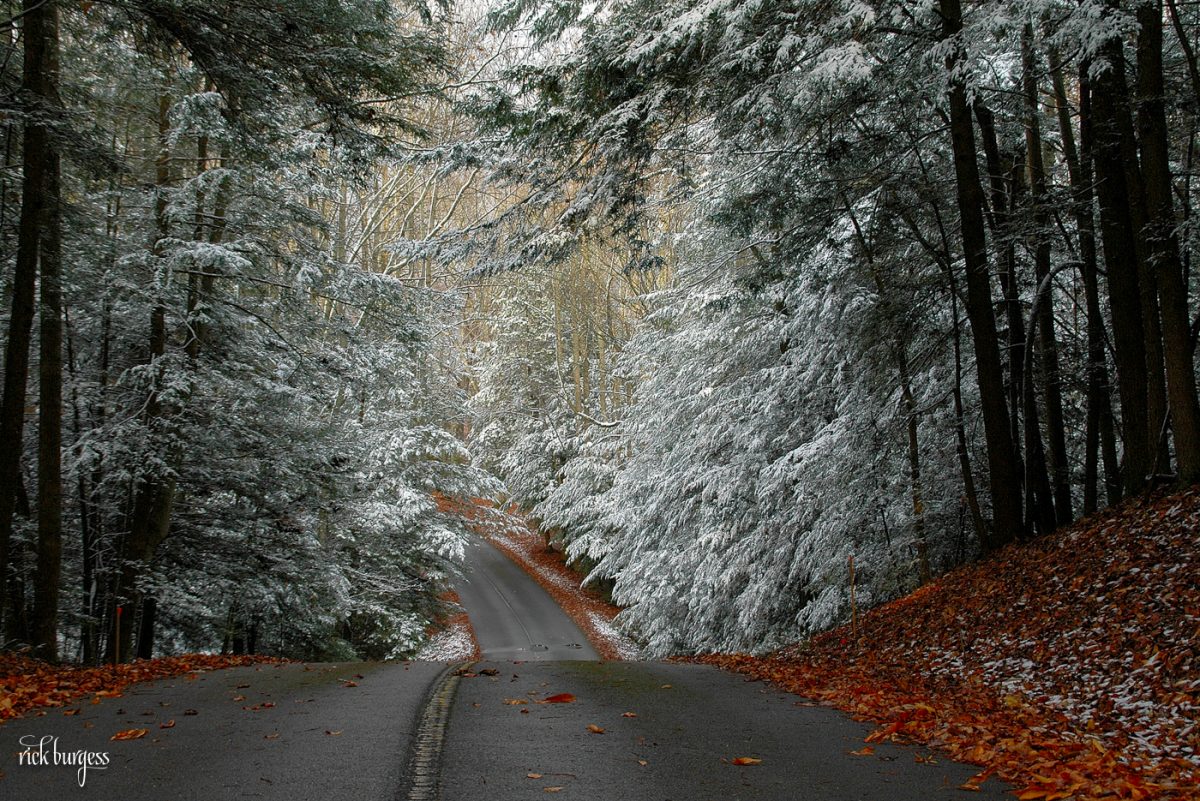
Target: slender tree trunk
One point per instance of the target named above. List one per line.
(1047, 340)
(1098, 433)
(154, 495)
(960, 431)
(1163, 246)
(37, 85)
(999, 167)
(1118, 197)
(1002, 457)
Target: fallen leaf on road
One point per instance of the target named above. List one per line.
(239, 698)
(190, 712)
(594, 729)
(643, 762)
(515, 701)
(170, 724)
(350, 684)
(561, 698)
(242, 686)
(533, 775)
(666, 687)
(337, 733)
(69, 712)
(747, 761)
(274, 736)
(866, 750)
(489, 672)
(130, 734)
(553, 789)
(629, 714)
(524, 711)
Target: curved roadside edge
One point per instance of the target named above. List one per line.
(593, 615)
(424, 776)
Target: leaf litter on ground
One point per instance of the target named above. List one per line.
(1068, 665)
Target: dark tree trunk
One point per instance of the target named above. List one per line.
(49, 545)
(1047, 340)
(1005, 175)
(145, 640)
(38, 89)
(1163, 247)
(154, 496)
(1098, 433)
(1112, 129)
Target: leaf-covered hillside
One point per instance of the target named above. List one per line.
(1068, 665)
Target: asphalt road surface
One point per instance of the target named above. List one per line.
(514, 618)
(425, 731)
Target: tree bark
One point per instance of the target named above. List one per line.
(50, 404)
(1047, 340)
(1002, 457)
(1099, 439)
(38, 90)
(1163, 246)
(1118, 196)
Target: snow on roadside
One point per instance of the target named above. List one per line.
(591, 613)
(453, 644)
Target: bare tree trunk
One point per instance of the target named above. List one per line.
(1163, 247)
(154, 495)
(37, 85)
(1118, 196)
(1098, 435)
(1047, 340)
(50, 407)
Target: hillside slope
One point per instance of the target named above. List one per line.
(1069, 665)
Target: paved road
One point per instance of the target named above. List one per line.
(301, 732)
(691, 722)
(513, 617)
(228, 750)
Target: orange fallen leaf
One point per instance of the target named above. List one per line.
(866, 750)
(533, 775)
(561, 698)
(350, 684)
(643, 762)
(629, 714)
(69, 712)
(594, 729)
(747, 761)
(170, 724)
(130, 734)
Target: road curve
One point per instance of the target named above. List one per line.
(514, 618)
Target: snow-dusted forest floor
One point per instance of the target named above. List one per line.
(1069, 666)
(454, 638)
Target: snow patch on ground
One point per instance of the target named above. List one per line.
(453, 644)
(625, 647)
